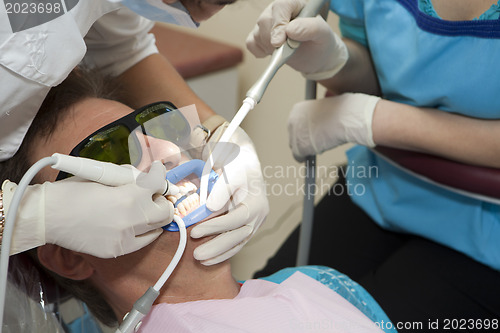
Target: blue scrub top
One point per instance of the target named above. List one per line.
(425, 61)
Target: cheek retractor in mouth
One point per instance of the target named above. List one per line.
(191, 211)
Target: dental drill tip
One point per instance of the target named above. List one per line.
(171, 188)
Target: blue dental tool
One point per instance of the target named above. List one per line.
(176, 175)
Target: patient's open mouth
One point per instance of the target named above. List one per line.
(190, 200)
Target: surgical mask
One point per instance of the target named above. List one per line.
(158, 11)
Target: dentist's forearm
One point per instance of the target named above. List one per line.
(155, 79)
(456, 137)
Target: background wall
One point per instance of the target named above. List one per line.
(266, 125)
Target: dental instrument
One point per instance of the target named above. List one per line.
(253, 96)
(102, 172)
(180, 172)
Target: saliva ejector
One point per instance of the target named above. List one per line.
(253, 96)
(279, 57)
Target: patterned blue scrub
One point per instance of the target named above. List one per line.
(425, 61)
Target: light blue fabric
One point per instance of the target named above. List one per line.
(84, 324)
(173, 13)
(342, 285)
(427, 62)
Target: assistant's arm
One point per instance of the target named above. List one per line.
(456, 137)
(358, 73)
(450, 135)
(361, 118)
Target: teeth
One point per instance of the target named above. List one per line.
(186, 188)
(187, 205)
(172, 199)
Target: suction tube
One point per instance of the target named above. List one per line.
(254, 94)
(282, 54)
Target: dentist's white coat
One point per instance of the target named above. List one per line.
(32, 61)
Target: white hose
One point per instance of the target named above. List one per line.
(10, 221)
(177, 256)
(143, 305)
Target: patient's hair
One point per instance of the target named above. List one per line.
(80, 84)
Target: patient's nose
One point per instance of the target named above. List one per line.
(154, 149)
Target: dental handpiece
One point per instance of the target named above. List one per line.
(103, 172)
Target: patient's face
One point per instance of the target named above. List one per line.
(85, 118)
(90, 115)
(133, 273)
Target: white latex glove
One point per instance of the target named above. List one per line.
(320, 55)
(241, 185)
(318, 125)
(92, 218)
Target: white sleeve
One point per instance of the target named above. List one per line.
(119, 40)
(20, 100)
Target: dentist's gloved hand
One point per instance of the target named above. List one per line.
(315, 126)
(320, 55)
(103, 221)
(241, 186)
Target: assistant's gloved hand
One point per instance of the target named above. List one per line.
(92, 218)
(320, 55)
(241, 186)
(318, 125)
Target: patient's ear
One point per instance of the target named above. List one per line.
(64, 262)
